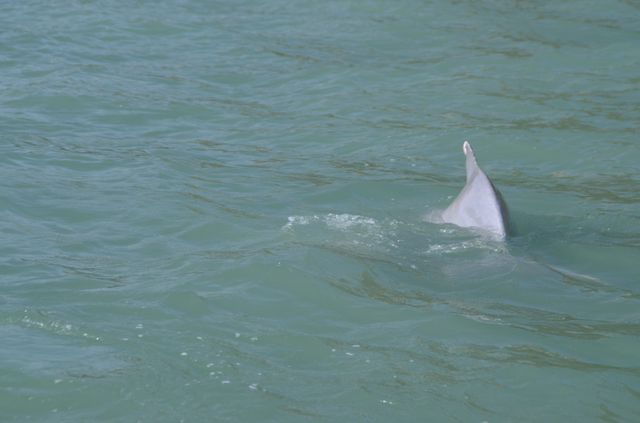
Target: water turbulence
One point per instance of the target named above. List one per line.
(211, 211)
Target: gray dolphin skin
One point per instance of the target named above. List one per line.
(479, 204)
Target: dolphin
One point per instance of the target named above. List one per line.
(479, 204)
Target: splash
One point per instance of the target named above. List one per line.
(344, 230)
(334, 221)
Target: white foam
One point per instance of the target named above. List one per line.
(345, 230)
(336, 221)
(434, 216)
(346, 221)
(298, 221)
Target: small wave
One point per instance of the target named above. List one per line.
(480, 244)
(344, 230)
(434, 216)
(334, 221)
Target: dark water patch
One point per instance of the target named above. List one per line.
(615, 189)
(314, 179)
(511, 53)
(368, 287)
(536, 356)
(557, 324)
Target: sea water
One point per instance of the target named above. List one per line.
(219, 211)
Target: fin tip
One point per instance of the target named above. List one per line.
(466, 147)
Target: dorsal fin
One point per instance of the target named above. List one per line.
(471, 163)
(479, 204)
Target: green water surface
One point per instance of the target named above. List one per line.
(218, 211)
